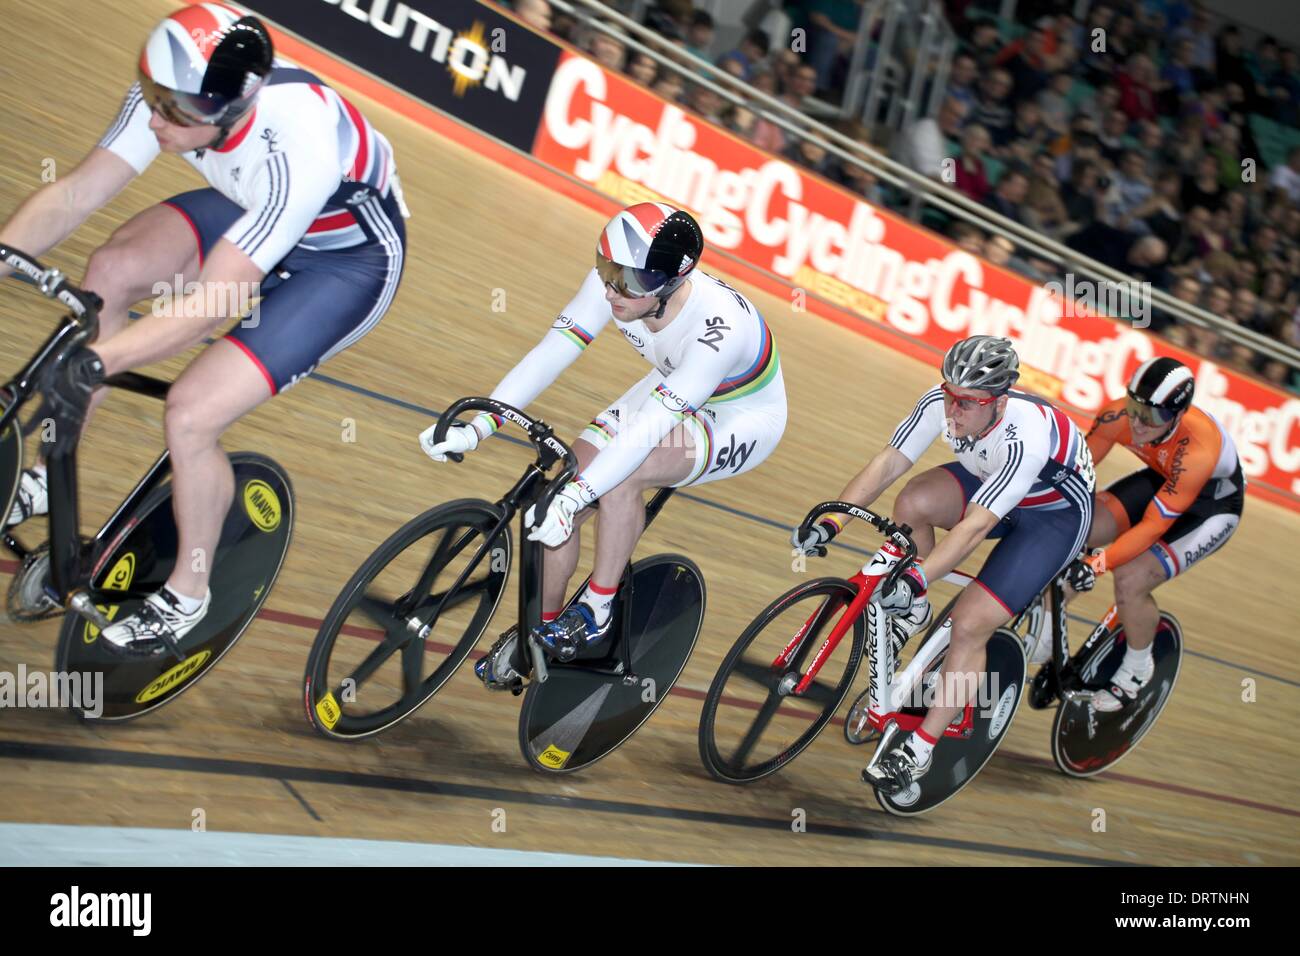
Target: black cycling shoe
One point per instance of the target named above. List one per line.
(571, 633)
(503, 666)
(896, 770)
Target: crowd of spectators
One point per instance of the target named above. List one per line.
(1126, 136)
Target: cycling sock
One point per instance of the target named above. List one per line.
(600, 600)
(549, 616)
(922, 744)
(187, 605)
(1139, 661)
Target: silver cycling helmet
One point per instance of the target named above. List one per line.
(982, 361)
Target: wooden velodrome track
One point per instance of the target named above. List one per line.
(1215, 782)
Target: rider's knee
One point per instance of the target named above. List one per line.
(967, 634)
(914, 504)
(108, 274)
(1132, 585)
(184, 420)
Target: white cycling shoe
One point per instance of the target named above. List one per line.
(1124, 688)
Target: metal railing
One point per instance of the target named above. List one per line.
(947, 200)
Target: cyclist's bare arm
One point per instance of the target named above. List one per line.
(228, 279)
(959, 543)
(53, 212)
(888, 465)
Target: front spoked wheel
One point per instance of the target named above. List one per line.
(408, 619)
(753, 722)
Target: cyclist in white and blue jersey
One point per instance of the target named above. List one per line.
(1023, 475)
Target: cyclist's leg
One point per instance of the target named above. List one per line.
(559, 563)
(1038, 545)
(217, 389)
(152, 249)
(1118, 508)
(328, 301)
(935, 498)
(1203, 530)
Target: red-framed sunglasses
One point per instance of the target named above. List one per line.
(965, 402)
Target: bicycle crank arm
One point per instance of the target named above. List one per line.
(539, 660)
(81, 605)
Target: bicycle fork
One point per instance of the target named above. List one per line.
(881, 563)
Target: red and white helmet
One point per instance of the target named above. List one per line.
(649, 249)
(205, 65)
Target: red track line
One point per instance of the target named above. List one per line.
(313, 624)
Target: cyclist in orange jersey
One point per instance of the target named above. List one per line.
(1155, 523)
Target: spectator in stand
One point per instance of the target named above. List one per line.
(1221, 224)
(1105, 102)
(961, 80)
(535, 13)
(1231, 67)
(1197, 32)
(1083, 196)
(1203, 189)
(1025, 59)
(699, 37)
(991, 109)
(1028, 134)
(1130, 189)
(810, 156)
(1246, 312)
(1054, 103)
(925, 144)
(803, 84)
(1114, 136)
(1265, 248)
(968, 237)
(1139, 88)
(606, 50)
(1122, 40)
(670, 18)
(751, 54)
(1161, 212)
(708, 104)
(1094, 53)
(1009, 196)
(1244, 274)
(998, 250)
(642, 68)
(764, 133)
(832, 31)
(1186, 146)
(985, 44)
(1180, 76)
(971, 179)
(1140, 256)
(1045, 210)
(670, 86)
(1287, 175)
(1285, 87)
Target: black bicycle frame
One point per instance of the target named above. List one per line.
(531, 558)
(70, 562)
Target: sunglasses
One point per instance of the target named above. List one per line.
(1148, 415)
(964, 402)
(630, 282)
(183, 109)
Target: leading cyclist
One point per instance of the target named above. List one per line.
(712, 407)
(1023, 474)
(302, 208)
